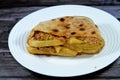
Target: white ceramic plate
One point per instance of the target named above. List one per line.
(64, 66)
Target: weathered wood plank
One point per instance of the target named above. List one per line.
(28, 79)
(115, 11)
(50, 79)
(24, 3)
(23, 11)
(5, 27)
(116, 1)
(15, 13)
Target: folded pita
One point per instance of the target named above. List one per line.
(65, 36)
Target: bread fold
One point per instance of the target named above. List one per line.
(65, 36)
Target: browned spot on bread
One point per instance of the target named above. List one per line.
(55, 30)
(93, 32)
(82, 29)
(81, 25)
(37, 48)
(64, 36)
(67, 26)
(72, 33)
(62, 19)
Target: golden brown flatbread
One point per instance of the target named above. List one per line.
(65, 36)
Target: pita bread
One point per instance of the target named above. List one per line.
(76, 33)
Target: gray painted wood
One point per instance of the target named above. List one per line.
(10, 69)
(20, 12)
(23, 3)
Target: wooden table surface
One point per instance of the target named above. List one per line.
(10, 69)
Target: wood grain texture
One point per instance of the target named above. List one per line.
(20, 12)
(24, 3)
(12, 70)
